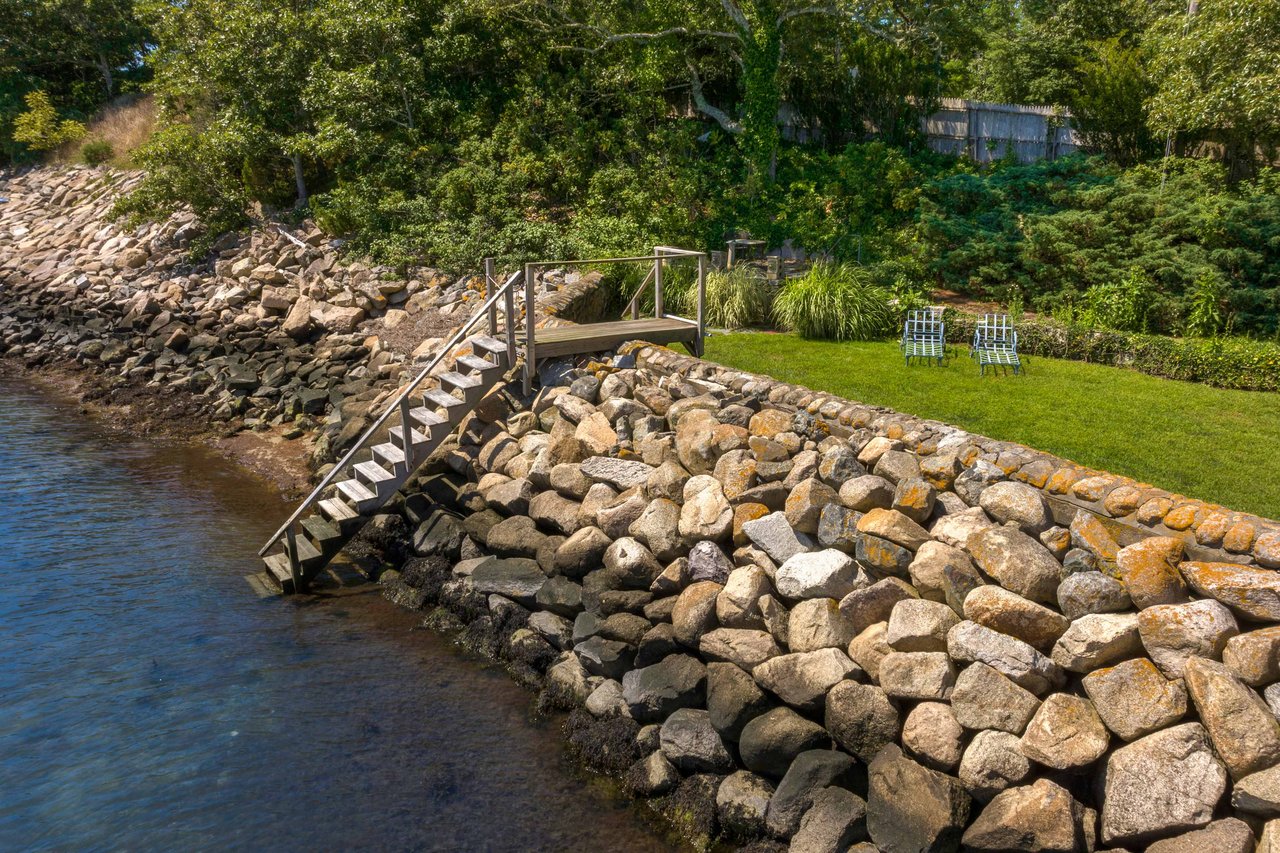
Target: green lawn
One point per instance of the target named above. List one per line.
(1216, 445)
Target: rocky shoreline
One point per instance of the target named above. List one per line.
(783, 620)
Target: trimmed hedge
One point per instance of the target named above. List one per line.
(1237, 363)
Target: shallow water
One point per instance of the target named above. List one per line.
(149, 700)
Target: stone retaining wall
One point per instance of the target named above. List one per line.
(797, 622)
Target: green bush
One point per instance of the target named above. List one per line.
(40, 129)
(95, 152)
(735, 298)
(834, 301)
(1238, 363)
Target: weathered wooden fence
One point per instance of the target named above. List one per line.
(986, 131)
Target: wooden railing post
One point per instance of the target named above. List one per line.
(509, 308)
(702, 300)
(407, 425)
(530, 300)
(490, 282)
(291, 548)
(657, 285)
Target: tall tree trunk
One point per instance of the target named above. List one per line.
(108, 79)
(300, 181)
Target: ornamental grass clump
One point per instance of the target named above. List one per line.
(834, 301)
(735, 298)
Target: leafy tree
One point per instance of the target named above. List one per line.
(1218, 72)
(40, 129)
(1110, 105)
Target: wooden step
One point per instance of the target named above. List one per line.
(389, 454)
(477, 365)
(424, 417)
(278, 568)
(359, 495)
(325, 535)
(309, 556)
(337, 510)
(374, 475)
(444, 400)
(465, 384)
(484, 343)
(397, 436)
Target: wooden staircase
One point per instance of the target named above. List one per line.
(435, 414)
(431, 407)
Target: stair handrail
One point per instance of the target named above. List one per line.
(402, 397)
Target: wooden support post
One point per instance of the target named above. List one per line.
(489, 284)
(291, 548)
(702, 300)
(406, 424)
(509, 308)
(530, 356)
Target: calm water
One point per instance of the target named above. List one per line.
(150, 701)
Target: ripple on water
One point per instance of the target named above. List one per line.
(151, 701)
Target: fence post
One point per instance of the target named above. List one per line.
(702, 299)
(291, 548)
(509, 308)
(406, 424)
(657, 283)
(530, 357)
(489, 283)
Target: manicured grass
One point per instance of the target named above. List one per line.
(1208, 443)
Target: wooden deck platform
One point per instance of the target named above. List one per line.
(597, 337)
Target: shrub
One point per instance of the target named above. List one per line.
(40, 129)
(95, 152)
(835, 301)
(735, 298)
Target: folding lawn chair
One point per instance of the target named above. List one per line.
(924, 335)
(996, 343)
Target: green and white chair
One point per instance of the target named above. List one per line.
(924, 335)
(995, 342)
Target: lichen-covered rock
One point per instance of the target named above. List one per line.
(933, 736)
(1017, 503)
(913, 808)
(823, 574)
(706, 513)
(811, 772)
(915, 498)
(805, 503)
(861, 718)
(1018, 562)
(917, 675)
(1066, 733)
(1244, 731)
(1149, 569)
(818, 623)
(1026, 667)
(917, 625)
(695, 612)
(1258, 793)
(875, 603)
(1230, 835)
(742, 801)
(770, 742)
(866, 493)
(1254, 657)
(894, 526)
(984, 698)
(733, 699)
(1009, 613)
(1172, 633)
(774, 535)
(928, 569)
(897, 465)
(1160, 785)
(653, 693)
(1089, 533)
(992, 762)
(1083, 593)
(692, 745)
(1038, 818)
(1134, 699)
(742, 646)
(1250, 591)
(802, 679)
(1097, 640)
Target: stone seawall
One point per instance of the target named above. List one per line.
(790, 621)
